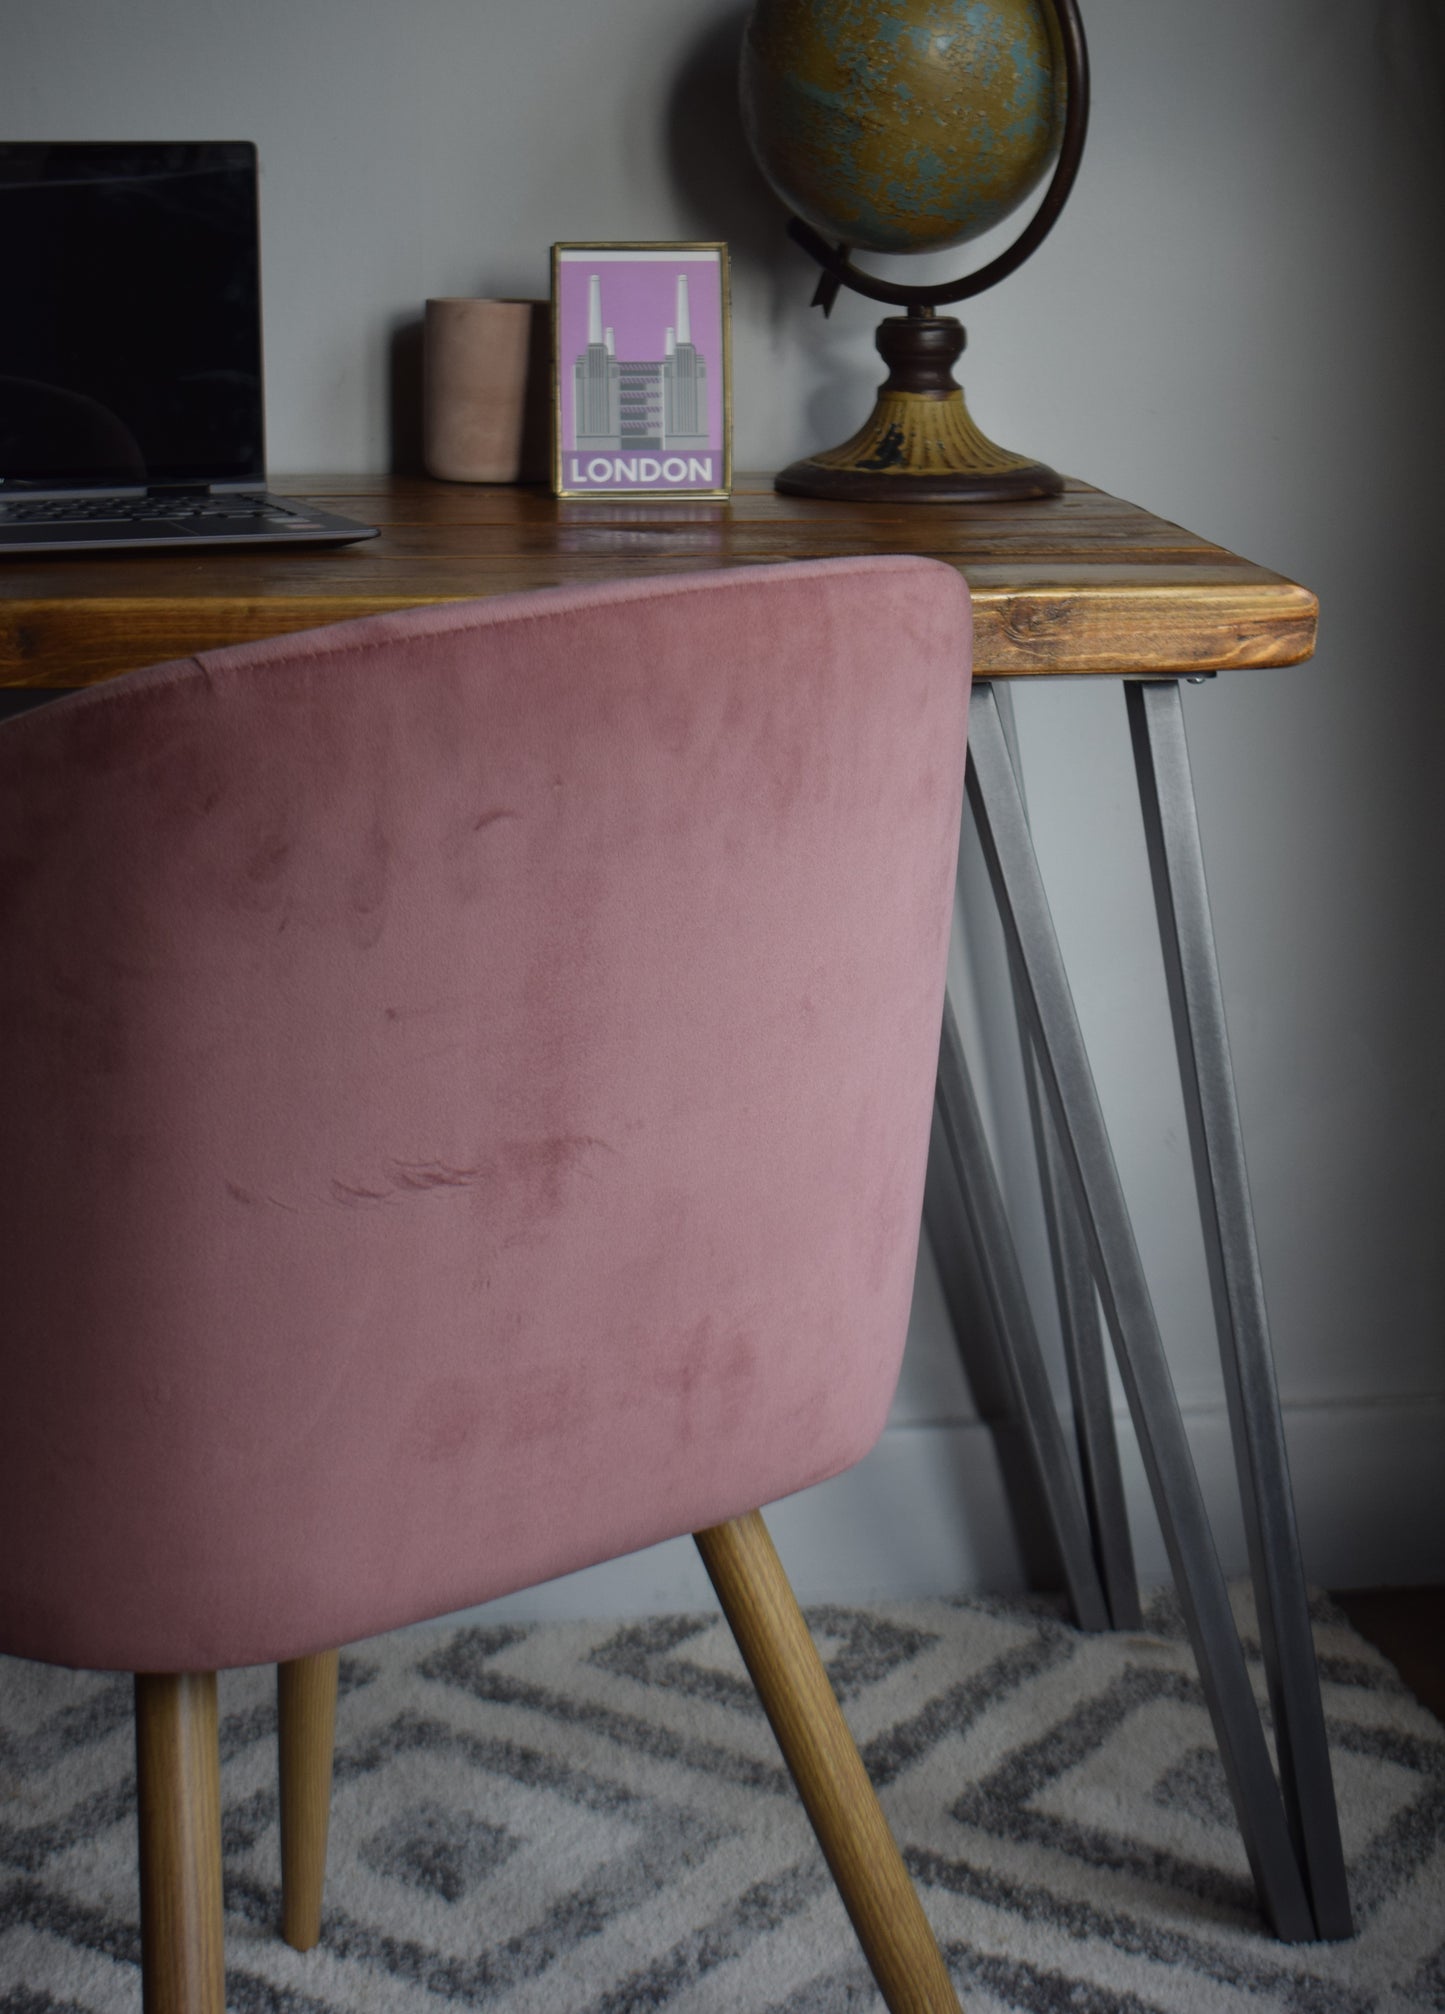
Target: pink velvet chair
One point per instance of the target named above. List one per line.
(466, 1085)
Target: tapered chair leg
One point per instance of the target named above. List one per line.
(178, 1797)
(826, 1766)
(305, 1726)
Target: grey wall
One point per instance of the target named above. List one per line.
(1238, 324)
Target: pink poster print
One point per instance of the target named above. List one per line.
(642, 369)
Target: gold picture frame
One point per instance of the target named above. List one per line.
(641, 369)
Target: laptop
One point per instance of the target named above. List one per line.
(130, 352)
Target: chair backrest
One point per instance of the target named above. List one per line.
(465, 1080)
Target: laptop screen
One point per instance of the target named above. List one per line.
(130, 337)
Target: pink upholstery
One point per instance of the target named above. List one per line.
(465, 1079)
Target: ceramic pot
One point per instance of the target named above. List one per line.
(485, 390)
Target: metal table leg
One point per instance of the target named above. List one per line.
(1114, 1257)
(1090, 1397)
(980, 1234)
(983, 1356)
(1088, 1375)
(1161, 755)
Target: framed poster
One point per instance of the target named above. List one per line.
(642, 392)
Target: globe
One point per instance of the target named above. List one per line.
(913, 126)
(903, 125)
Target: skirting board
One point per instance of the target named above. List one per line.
(925, 1514)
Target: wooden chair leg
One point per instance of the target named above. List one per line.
(306, 1729)
(826, 1766)
(178, 1796)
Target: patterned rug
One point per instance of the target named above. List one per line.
(592, 1818)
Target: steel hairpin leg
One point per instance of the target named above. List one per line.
(1078, 1305)
(1083, 1537)
(1176, 863)
(1088, 1159)
(968, 1225)
(1083, 1339)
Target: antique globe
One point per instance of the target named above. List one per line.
(915, 126)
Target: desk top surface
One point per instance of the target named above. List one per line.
(1082, 584)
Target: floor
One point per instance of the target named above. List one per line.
(1408, 1625)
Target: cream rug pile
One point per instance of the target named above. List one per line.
(592, 1818)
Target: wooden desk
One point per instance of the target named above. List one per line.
(1079, 585)
(1076, 584)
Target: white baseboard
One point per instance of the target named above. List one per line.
(925, 1514)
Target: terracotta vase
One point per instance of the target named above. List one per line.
(485, 390)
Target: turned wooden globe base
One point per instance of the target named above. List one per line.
(919, 444)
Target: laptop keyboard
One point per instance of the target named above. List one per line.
(32, 524)
(141, 510)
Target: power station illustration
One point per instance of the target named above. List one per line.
(627, 403)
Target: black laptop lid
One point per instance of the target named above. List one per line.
(130, 335)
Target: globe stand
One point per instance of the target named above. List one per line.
(919, 444)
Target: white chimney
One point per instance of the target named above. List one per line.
(594, 308)
(684, 325)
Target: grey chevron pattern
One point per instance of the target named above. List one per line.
(593, 1819)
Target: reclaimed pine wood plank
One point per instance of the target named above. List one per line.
(1080, 585)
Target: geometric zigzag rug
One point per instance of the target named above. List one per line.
(592, 1818)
